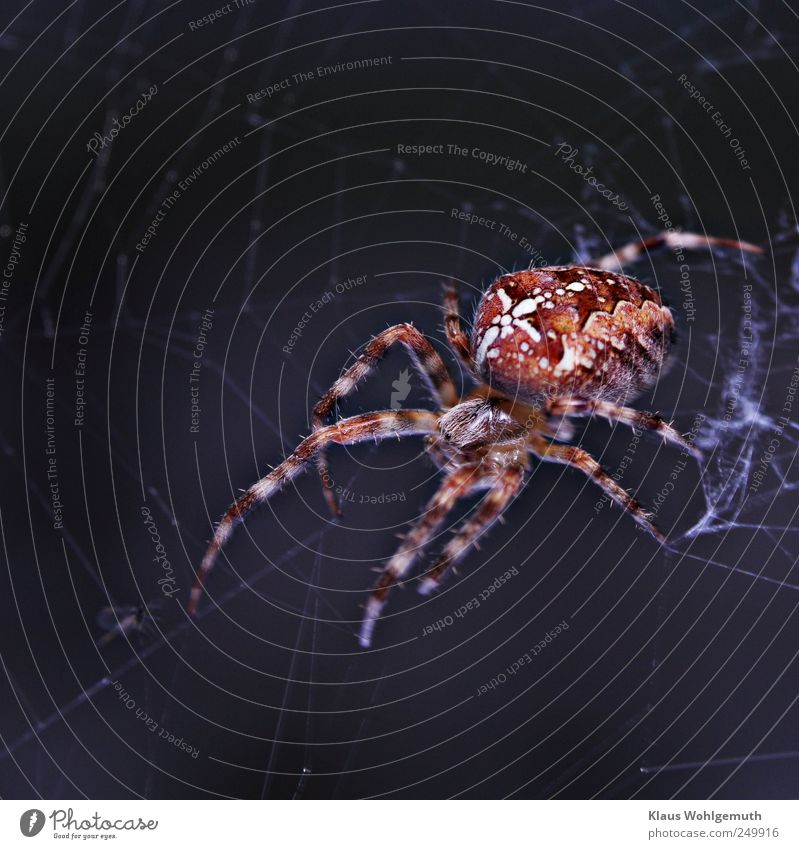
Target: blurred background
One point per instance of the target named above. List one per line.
(206, 210)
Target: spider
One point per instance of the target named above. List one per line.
(547, 344)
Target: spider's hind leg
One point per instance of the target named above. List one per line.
(456, 485)
(629, 416)
(616, 259)
(579, 458)
(457, 337)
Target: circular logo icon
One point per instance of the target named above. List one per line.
(31, 822)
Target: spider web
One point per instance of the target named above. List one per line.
(309, 234)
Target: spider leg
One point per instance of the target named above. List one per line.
(457, 337)
(578, 458)
(503, 488)
(378, 425)
(456, 485)
(614, 260)
(425, 359)
(628, 416)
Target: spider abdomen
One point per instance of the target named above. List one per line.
(570, 332)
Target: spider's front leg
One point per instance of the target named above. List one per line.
(377, 426)
(493, 505)
(578, 458)
(456, 485)
(625, 415)
(425, 359)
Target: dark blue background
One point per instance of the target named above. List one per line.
(685, 660)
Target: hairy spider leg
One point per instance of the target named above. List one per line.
(493, 505)
(625, 415)
(457, 337)
(379, 425)
(614, 260)
(578, 458)
(425, 359)
(456, 485)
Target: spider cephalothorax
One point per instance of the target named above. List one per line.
(547, 344)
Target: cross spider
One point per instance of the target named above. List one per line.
(547, 343)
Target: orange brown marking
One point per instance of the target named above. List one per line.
(571, 332)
